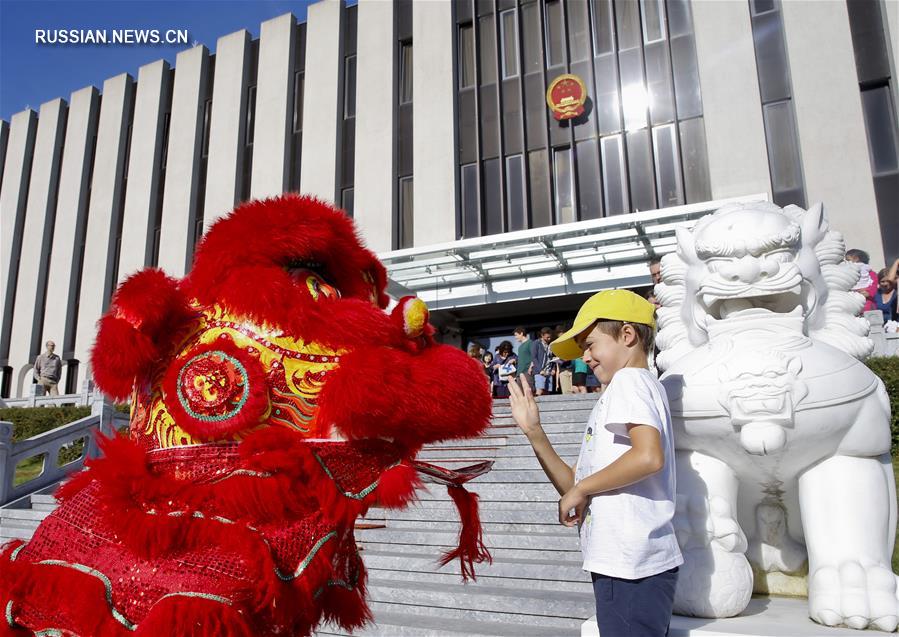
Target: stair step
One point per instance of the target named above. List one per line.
(493, 492)
(399, 624)
(501, 512)
(550, 418)
(22, 514)
(550, 542)
(565, 448)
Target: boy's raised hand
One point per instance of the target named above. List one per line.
(524, 407)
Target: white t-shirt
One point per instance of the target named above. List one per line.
(627, 532)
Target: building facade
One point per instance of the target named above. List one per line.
(428, 123)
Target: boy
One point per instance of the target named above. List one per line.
(621, 491)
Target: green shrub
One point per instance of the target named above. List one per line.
(31, 421)
(887, 367)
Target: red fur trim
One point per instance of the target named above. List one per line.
(194, 617)
(471, 547)
(438, 394)
(121, 354)
(244, 267)
(347, 607)
(151, 301)
(397, 486)
(251, 414)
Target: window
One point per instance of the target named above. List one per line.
(696, 165)
(509, 38)
(603, 27)
(471, 224)
(564, 176)
(589, 193)
(251, 115)
(783, 154)
(653, 20)
(667, 165)
(555, 34)
(614, 176)
(515, 192)
(347, 200)
(466, 56)
(164, 154)
(349, 87)
(538, 174)
(207, 123)
(405, 72)
(880, 123)
(406, 201)
(298, 85)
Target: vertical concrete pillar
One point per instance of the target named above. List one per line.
(71, 220)
(324, 57)
(374, 179)
(28, 314)
(179, 206)
(228, 127)
(97, 282)
(829, 118)
(13, 195)
(433, 123)
(141, 198)
(274, 107)
(731, 103)
(4, 138)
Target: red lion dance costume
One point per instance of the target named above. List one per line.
(273, 402)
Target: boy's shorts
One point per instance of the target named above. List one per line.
(634, 607)
(544, 382)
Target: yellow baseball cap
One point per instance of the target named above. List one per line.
(612, 305)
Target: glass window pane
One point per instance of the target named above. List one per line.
(588, 185)
(487, 48)
(468, 146)
(686, 76)
(349, 87)
(406, 73)
(614, 176)
(761, 6)
(640, 171)
(406, 209)
(532, 53)
(471, 222)
(347, 200)
(509, 27)
(696, 163)
(872, 58)
(603, 27)
(881, 125)
(608, 107)
(251, 117)
(668, 175)
(538, 175)
(653, 20)
(783, 149)
(627, 15)
(489, 122)
(634, 100)
(579, 30)
(535, 110)
(680, 20)
(564, 177)
(466, 56)
(515, 192)
(298, 82)
(555, 34)
(493, 189)
(658, 81)
(771, 57)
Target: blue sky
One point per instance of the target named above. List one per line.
(31, 73)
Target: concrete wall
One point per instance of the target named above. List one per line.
(274, 104)
(13, 197)
(40, 214)
(829, 118)
(433, 123)
(374, 180)
(141, 197)
(4, 138)
(228, 129)
(71, 220)
(179, 205)
(105, 207)
(324, 59)
(731, 104)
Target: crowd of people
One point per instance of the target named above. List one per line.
(878, 288)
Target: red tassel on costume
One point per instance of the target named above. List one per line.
(471, 547)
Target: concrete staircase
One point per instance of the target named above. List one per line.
(535, 586)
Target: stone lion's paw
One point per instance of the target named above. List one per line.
(851, 594)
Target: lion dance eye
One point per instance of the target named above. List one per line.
(317, 288)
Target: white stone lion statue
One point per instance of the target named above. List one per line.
(784, 482)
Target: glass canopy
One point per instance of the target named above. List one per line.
(573, 258)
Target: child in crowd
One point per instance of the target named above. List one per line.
(621, 491)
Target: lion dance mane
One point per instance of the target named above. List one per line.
(273, 401)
